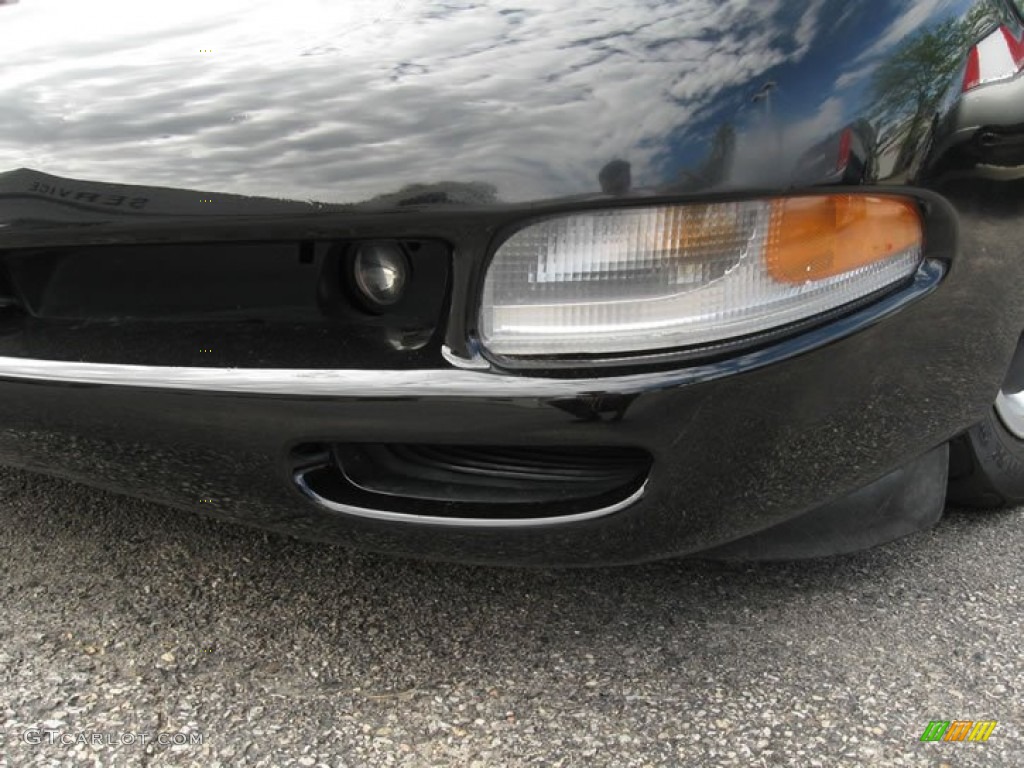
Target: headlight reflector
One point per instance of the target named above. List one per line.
(662, 277)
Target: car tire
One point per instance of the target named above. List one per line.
(986, 464)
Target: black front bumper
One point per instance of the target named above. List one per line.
(738, 446)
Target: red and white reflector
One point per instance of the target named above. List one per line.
(999, 56)
(843, 156)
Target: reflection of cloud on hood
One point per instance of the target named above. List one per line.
(755, 167)
(918, 14)
(345, 101)
(828, 119)
(852, 77)
(809, 22)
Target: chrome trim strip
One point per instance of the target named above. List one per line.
(449, 383)
(469, 522)
(475, 363)
(1010, 409)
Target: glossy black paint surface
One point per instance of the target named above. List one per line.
(451, 121)
(418, 103)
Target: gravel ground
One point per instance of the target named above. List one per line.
(121, 617)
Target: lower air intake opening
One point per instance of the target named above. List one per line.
(471, 484)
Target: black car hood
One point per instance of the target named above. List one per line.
(423, 102)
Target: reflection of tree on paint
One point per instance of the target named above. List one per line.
(913, 79)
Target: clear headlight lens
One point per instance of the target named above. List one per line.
(642, 279)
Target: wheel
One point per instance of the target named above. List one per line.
(986, 463)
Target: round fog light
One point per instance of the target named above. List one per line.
(380, 272)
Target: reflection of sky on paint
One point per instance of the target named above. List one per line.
(341, 101)
(817, 95)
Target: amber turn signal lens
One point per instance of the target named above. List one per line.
(813, 238)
